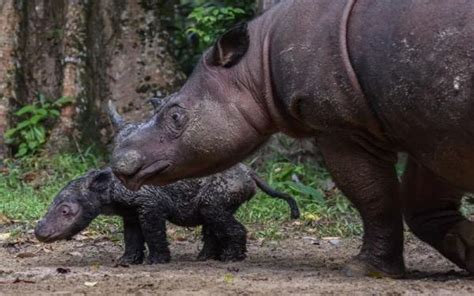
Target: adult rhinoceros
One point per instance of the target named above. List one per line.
(367, 79)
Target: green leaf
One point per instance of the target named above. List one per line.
(63, 101)
(22, 151)
(42, 111)
(10, 132)
(37, 118)
(54, 112)
(26, 109)
(40, 133)
(308, 190)
(23, 124)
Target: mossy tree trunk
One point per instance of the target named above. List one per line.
(9, 26)
(90, 51)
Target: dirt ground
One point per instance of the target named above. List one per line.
(296, 266)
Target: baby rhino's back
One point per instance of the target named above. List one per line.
(191, 200)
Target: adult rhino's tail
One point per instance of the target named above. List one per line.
(295, 211)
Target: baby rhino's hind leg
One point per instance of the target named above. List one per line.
(431, 210)
(212, 248)
(230, 233)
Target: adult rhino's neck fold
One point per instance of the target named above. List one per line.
(278, 114)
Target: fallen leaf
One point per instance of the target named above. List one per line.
(19, 281)
(311, 240)
(26, 255)
(61, 270)
(75, 254)
(90, 284)
(80, 237)
(233, 269)
(229, 278)
(30, 176)
(310, 217)
(4, 236)
(4, 220)
(180, 238)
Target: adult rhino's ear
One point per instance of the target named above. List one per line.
(230, 47)
(100, 180)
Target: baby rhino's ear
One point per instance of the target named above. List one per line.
(101, 180)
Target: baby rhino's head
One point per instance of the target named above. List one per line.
(74, 208)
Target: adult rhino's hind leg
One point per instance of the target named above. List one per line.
(431, 210)
(366, 175)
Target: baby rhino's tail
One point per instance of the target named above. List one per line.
(295, 211)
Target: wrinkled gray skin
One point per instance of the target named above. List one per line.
(210, 202)
(400, 80)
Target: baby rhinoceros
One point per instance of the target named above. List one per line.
(210, 202)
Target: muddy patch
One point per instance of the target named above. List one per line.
(300, 265)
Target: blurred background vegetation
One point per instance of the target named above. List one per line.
(61, 61)
(67, 58)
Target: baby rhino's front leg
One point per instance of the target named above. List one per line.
(153, 225)
(134, 241)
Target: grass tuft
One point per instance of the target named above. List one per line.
(27, 187)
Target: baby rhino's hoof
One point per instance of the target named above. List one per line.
(361, 268)
(205, 255)
(130, 259)
(458, 245)
(232, 256)
(158, 259)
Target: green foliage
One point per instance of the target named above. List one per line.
(324, 209)
(211, 21)
(30, 133)
(199, 23)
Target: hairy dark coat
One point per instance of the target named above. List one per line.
(210, 202)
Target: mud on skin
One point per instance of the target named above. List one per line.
(367, 79)
(210, 202)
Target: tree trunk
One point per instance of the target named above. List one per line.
(9, 23)
(90, 51)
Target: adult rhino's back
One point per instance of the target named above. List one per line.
(414, 60)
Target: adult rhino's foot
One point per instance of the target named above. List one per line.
(361, 266)
(458, 245)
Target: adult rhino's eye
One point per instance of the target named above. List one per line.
(178, 118)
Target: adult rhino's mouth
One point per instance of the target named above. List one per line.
(145, 175)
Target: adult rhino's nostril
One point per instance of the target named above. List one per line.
(127, 164)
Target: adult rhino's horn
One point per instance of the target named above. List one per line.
(156, 102)
(114, 116)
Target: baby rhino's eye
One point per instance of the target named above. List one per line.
(65, 210)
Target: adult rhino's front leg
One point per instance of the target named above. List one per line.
(431, 210)
(366, 174)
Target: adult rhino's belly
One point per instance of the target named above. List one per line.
(450, 158)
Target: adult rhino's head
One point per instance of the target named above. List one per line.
(213, 122)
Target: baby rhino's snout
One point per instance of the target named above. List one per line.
(42, 233)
